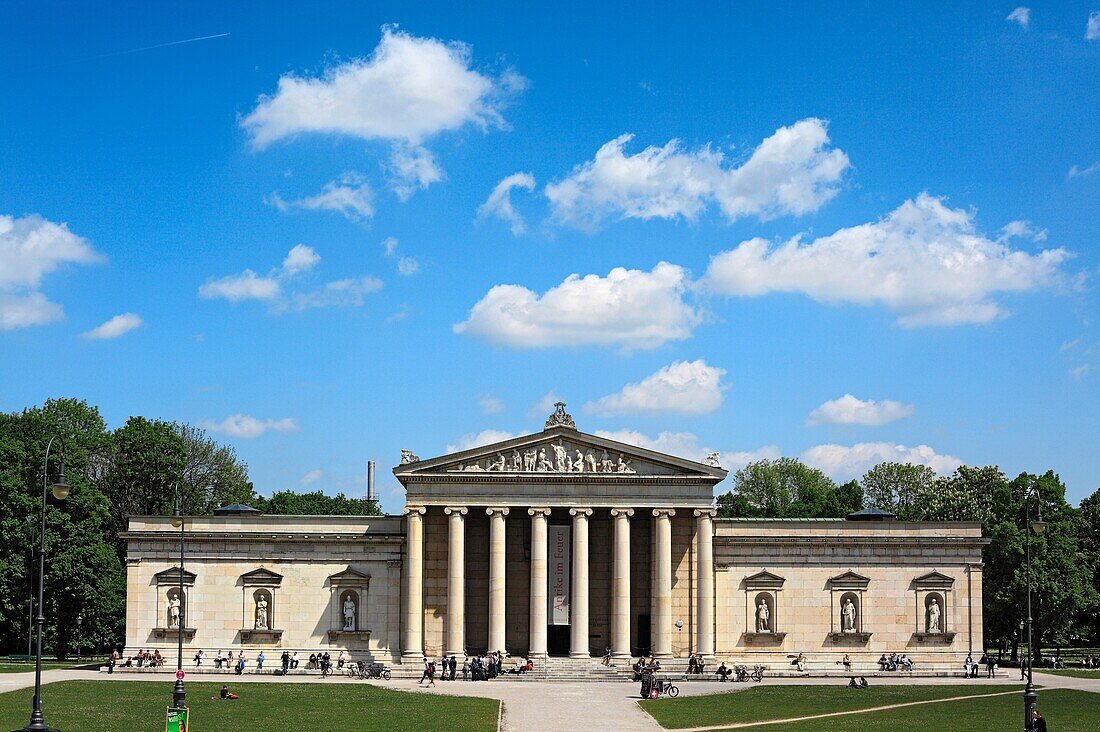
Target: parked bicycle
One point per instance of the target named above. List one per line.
(742, 673)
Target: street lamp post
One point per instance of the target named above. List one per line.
(179, 695)
(60, 490)
(1031, 697)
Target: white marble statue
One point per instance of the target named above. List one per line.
(516, 464)
(624, 465)
(498, 464)
(934, 617)
(849, 616)
(607, 465)
(261, 614)
(590, 462)
(530, 460)
(174, 608)
(349, 613)
(544, 465)
(714, 460)
(561, 457)
(407, 456)
(578, 464)
(763, 617)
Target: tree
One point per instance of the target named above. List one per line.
(780, 488)
(286, 503)
(895, 487)
(1089, 541)
(212, 475)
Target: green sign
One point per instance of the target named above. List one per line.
(176, 720)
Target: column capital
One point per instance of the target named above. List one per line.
(669, 512)
(502, 510)
(616, 512)
(577, 511)
(539, 511)
(421, 510)
(707, 512)
(460, 510)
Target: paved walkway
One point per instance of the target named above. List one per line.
(580, 706)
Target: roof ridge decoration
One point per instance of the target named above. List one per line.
(560, 418)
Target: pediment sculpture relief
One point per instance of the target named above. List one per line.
(555, 457)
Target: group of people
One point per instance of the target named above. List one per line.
(696, 664)
(987, 660)
(142, 659)
(1090, 662)
(894, 662)
(481, 667)
(642, 667)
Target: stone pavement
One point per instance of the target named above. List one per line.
(568, 705)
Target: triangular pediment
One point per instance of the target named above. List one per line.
(764, 579)
(560, 452)
(934, 579)
(349, 576)
(849, 579)
(261, 576)
(171, 576)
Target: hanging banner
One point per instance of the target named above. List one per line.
(558, 574)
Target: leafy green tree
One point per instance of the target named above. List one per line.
(896, 487)
(1089, 540)
(287, 503)
(966, 495)
(212, 474)
(780, 488)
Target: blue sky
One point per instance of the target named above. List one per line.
(843, 234)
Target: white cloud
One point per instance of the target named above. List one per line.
(628, 308)
(737, 459)
(1022, 230)
(477, 439)
(412, 168)
(248, 427)
(389, 245)
(350, 195)
(1080, 372)
(115, 327)
(850, 410)
(1021, 15)
(30, 248)
(1078, 172)
(407, 266)
(545, 405)
(348, 292)
(310, 478)
(686, 445)
(843, 462)
(1092, 26)
(794, 171)
(246, 286)
(682, 387)
(300, 259)
(499, 202)
(490, 404)
(924, 261)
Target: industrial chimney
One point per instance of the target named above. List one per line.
(370, 483)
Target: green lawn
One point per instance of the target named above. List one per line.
(1081, 673)
(110, 706)
(1066, 710)
(22, 668)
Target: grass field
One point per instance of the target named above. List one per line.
(22, 668)
(99, 706)
(1081, 673)
(1067, 711)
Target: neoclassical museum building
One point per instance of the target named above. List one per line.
(558, 543)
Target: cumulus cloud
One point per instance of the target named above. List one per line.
(269, 288)
(407, 91)
(350, 196)
(682, 387)
(924, 261)
(1079, 172)
(850, 410)
(408, 266)
(247, 427)
(115, 327)
(477, 439)
(632, 309)
(31, 248)
(1092, 26)
(794, 171)
(389, 245)
(499, 202)
(490, 404)
(845, 462)
(1022, 16)
(686, 445)
(310, 478)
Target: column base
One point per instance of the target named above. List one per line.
(580, 654)
(412, 657)
(621, 654)
(456, 654)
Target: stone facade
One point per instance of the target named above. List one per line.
(652, 571)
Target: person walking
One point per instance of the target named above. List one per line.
(427, 669)
(285, 659)
(260, 661)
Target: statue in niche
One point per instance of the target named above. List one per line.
(607, 465)
(516, 464)
(530, 460)
(175, 610)
(934, 616)
(624, 465)
(497, 465)
(349, 612)
(848, 616)
(590, 462)
(578, 464)
(407, 456)
(561, 458)
(544, 466)
(261, 613)
(763, 617)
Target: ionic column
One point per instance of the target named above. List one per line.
(578, 620)
(455, 642)
(662, 582)
(620, 583)
(497, 598)
(704, 533)
(537, 645)
(413, 643)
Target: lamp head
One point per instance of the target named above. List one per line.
(60, 488)
(1039, 526)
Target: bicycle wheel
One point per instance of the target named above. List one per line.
(757, 676)
(672, 690)
(386, 674)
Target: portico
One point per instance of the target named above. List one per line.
(598, 546)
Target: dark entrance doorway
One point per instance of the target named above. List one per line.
(557, 640)
(641, 622)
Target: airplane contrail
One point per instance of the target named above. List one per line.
(134, 50)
